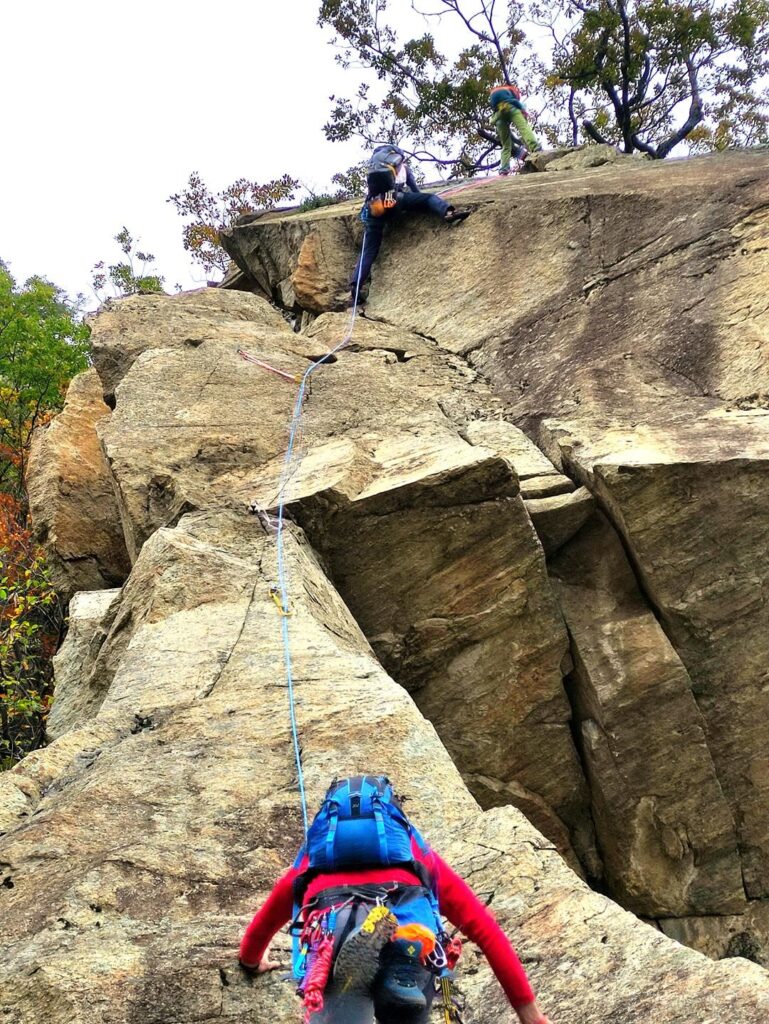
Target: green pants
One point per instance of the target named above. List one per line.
(502, 118)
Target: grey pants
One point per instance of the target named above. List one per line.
(353, 1008)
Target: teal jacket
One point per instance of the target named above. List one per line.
(504, 94)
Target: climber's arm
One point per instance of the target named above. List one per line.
(411, 181)
(463, 908)
(269, 919)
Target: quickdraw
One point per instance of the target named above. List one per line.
(275, 595)
(452, 947)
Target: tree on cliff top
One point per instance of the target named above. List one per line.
(434, 107)
(644, 74)
(208, 213)
(648, 75)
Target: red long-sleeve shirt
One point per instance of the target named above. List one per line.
(455, 897)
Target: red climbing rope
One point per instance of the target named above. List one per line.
(317, 977)
(266, 366)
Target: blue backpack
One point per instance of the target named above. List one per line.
(360, 824)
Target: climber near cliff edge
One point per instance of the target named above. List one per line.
(365, 895)
(508, 109)
(391, 190)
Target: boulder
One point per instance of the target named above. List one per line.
(445, 577)
(546, 486)
(73, 700)
(577, 159)
(156, 830)
(74, 512)
(124, 328)
(558, 517)
(686, 495)
(720, 936)
(307, 256)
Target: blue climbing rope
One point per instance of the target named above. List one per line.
(283, 583)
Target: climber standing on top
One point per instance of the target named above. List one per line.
(367, 894)
(506, 103)
(391, 190)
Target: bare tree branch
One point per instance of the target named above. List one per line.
(594, 134)
(691, 122)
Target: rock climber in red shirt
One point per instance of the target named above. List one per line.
(366, 894)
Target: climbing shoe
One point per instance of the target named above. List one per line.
(452, 216)
(400, 983)
(357, 961)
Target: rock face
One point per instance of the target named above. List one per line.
(611, 406)
(665, 829)
(72, 502)
(75, 701)
(382, 455)
(127, 327)
(447, 581)
(637, 360)
(157, 827)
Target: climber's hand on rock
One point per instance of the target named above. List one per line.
(530, 1013)
(265, 965)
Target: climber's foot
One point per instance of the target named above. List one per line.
(452, 216)
(357, 962)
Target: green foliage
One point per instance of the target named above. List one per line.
(31, 623)
(43, 344)
(648, 75)
(433, 106)
(643, 74)
(352, 182)
(208, 213)
(133, 275)
(314, 202)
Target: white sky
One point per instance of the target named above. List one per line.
(108, 107)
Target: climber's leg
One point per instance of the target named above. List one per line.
(343, 1003)
(505, 139)
(344, 1008)
(372, 242)
(523, 128)
(414, 202)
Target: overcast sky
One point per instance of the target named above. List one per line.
(108, 107)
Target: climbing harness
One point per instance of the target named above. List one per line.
(379, 205)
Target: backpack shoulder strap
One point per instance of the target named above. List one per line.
(380, 827)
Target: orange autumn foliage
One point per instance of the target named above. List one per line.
(31, 623)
